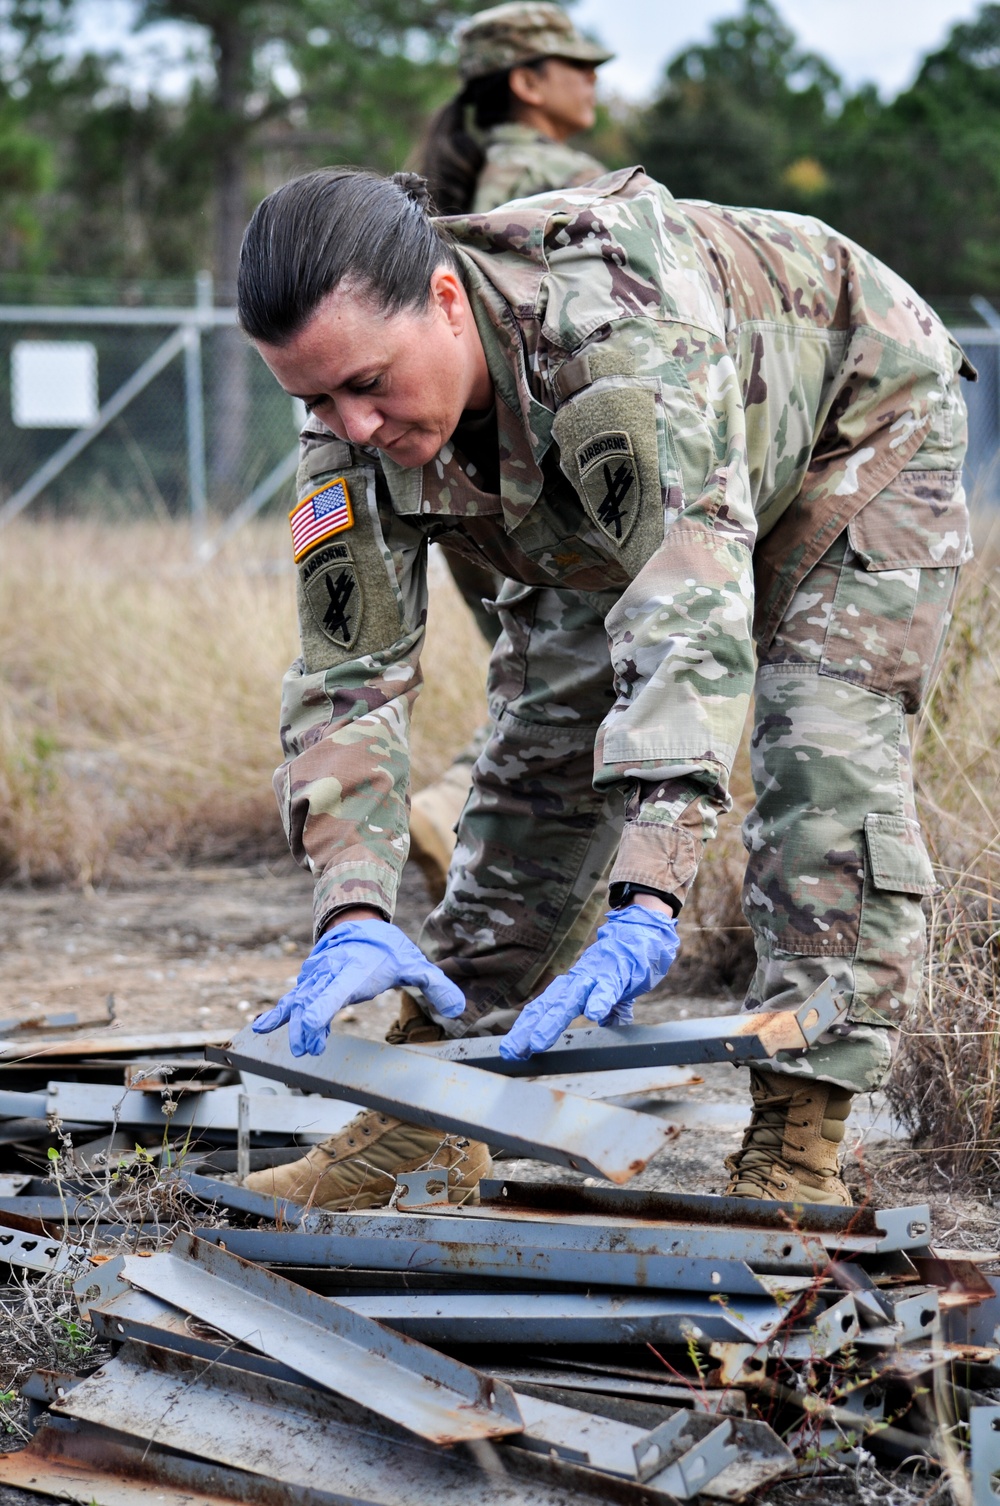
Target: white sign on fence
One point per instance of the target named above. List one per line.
(53, 384)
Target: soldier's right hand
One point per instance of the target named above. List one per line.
(349, 964)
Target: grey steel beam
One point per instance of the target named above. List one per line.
(524, 1118)
(747, 1037)
(560, 1255)
(110, 1043)
(431, 1395)
(616, 1087)
(568, 1317)
(137, 1316)
(214, 1108)
(864, 1230)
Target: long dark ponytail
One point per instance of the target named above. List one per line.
(451, 156)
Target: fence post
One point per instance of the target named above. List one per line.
(195, 406)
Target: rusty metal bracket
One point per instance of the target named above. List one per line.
(748, 1037)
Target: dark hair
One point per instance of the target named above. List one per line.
(339, 224)
(451, 158)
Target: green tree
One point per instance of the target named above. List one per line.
(742, 119)
(934, 153)
(296, 82)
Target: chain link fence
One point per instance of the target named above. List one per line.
(155, 406)
(156, 410)
(982, 469)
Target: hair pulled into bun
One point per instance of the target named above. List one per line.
(416, 189)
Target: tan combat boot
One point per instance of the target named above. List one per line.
(790, 1146)
(434, 813)
(357, 1168)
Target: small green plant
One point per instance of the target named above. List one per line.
(72, 1340)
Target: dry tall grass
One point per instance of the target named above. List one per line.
(946, 1084)
(140, 695)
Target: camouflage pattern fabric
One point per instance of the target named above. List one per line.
(521, 161)
(688, 398)
(521, 31)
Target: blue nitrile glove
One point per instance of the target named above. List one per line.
(348, 965)
(630, 956)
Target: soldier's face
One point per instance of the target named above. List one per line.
(400, 382)
(561, 97)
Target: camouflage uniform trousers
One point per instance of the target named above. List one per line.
(836, 865)
(837, 868)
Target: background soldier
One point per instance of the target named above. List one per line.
(716, 430)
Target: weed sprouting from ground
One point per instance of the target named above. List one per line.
(121, 1203)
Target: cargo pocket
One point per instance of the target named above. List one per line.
(892, 603)
(897, 858)
(893, 938)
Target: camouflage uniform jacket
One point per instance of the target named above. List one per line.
(687, 396)
(521, 161)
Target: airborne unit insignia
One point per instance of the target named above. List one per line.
(609, 480)
(333, 591)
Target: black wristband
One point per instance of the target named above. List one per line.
(620, 895)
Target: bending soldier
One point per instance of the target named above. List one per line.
(715, 453)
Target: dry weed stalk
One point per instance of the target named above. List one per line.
(40, 1314)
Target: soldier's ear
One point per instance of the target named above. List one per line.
(526, 85)
(449, 298)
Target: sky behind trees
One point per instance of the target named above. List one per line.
(866, 41)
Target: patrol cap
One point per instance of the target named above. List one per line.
(522, 31)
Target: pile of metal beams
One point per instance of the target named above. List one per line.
(556, 1341)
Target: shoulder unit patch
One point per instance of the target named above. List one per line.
(333, 591)
(319, 516)
(609, 479)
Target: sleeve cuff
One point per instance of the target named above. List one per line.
(662, 857)
(354, 883)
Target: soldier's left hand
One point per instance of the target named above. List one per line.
(631, 955)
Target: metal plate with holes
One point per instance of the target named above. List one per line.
(37, 1252)
(984, 1465)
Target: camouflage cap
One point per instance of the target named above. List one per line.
(521, 32)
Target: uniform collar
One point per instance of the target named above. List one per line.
(513, 132)
(524, 426)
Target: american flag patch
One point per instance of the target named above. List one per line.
(319, 515)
